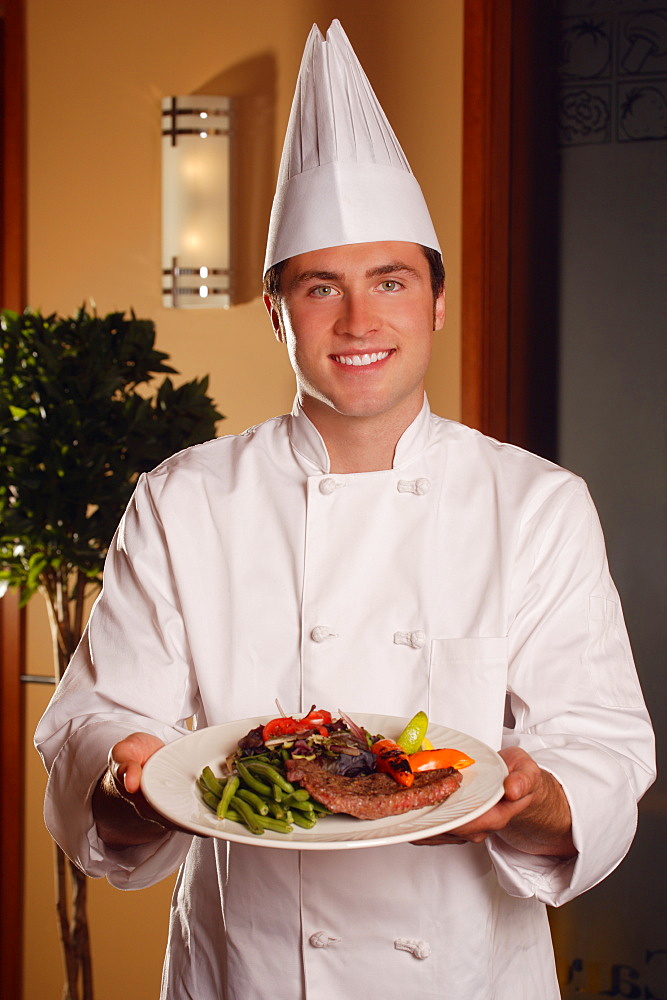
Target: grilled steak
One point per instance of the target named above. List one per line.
(372, 796)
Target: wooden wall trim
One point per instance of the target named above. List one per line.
(510, 216)
(486, 215)
(12, 619)
(532, 403)
(12, 657)
(13, 227)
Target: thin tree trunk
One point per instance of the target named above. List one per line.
(71, 987)
(66, 616)
(79, 937)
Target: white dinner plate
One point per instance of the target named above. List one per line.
(169, 782)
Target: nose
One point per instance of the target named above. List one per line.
(357, 316)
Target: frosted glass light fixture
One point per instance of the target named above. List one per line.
(196, 245)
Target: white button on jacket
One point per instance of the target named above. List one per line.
(232, 558)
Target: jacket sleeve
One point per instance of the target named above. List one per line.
(130, 673)
(575, 698)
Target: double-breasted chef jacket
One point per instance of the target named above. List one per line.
(470, 580)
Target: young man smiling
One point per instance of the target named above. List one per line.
(358, 322)
(359, 552)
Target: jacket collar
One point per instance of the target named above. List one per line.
(311, 452)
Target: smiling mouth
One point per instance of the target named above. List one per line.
(360, 360)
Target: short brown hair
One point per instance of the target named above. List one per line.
(273, 276)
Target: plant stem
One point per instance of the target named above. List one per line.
(66, 618)
(71, 988)
(79, 936)
(79, 603)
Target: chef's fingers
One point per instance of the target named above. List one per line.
(127, 758)
(525, 776)
(125, 763)
(523, 781)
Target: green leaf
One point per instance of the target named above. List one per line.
(36, 565)
(75, 434)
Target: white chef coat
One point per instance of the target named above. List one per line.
(469, 580)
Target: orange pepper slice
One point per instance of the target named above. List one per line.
(393, 761)
(431, 760)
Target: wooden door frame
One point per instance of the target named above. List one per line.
(510, 223)
(12, 619)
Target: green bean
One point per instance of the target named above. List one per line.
(277, 825)
(204, 787)
(260, 797)
(260, 806)
(228, 792)
(277, 810)
(303, 807)
(299, 795)
(260, 787)
(211, 782)
(302, 820)
(272, 773)
(210, 799)
(249, 817)
(319, 808)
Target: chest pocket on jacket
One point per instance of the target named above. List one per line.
(467, 684)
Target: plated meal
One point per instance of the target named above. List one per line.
(171, 783)
(293, 770)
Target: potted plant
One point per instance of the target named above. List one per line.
(79, 421)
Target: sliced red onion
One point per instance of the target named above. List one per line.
(352, 726)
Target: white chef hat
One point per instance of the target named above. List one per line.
(343, 176)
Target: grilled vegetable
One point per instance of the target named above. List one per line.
(394, 761)
(432, 760)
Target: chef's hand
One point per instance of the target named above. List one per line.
(122, 815)
(533, 814)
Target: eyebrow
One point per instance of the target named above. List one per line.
(304, 276)
(395, 267)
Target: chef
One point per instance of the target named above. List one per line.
(359, 553)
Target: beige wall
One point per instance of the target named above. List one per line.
(96, 74)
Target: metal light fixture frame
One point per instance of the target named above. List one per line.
(197, 139)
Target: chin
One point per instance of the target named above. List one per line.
(367, 408)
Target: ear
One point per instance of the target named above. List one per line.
(439, 311)
(274, 316)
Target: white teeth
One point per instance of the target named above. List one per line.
(361, 359)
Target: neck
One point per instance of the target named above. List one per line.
(359, 443)
(361, 449)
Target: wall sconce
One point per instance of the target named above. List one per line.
(196, 158)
